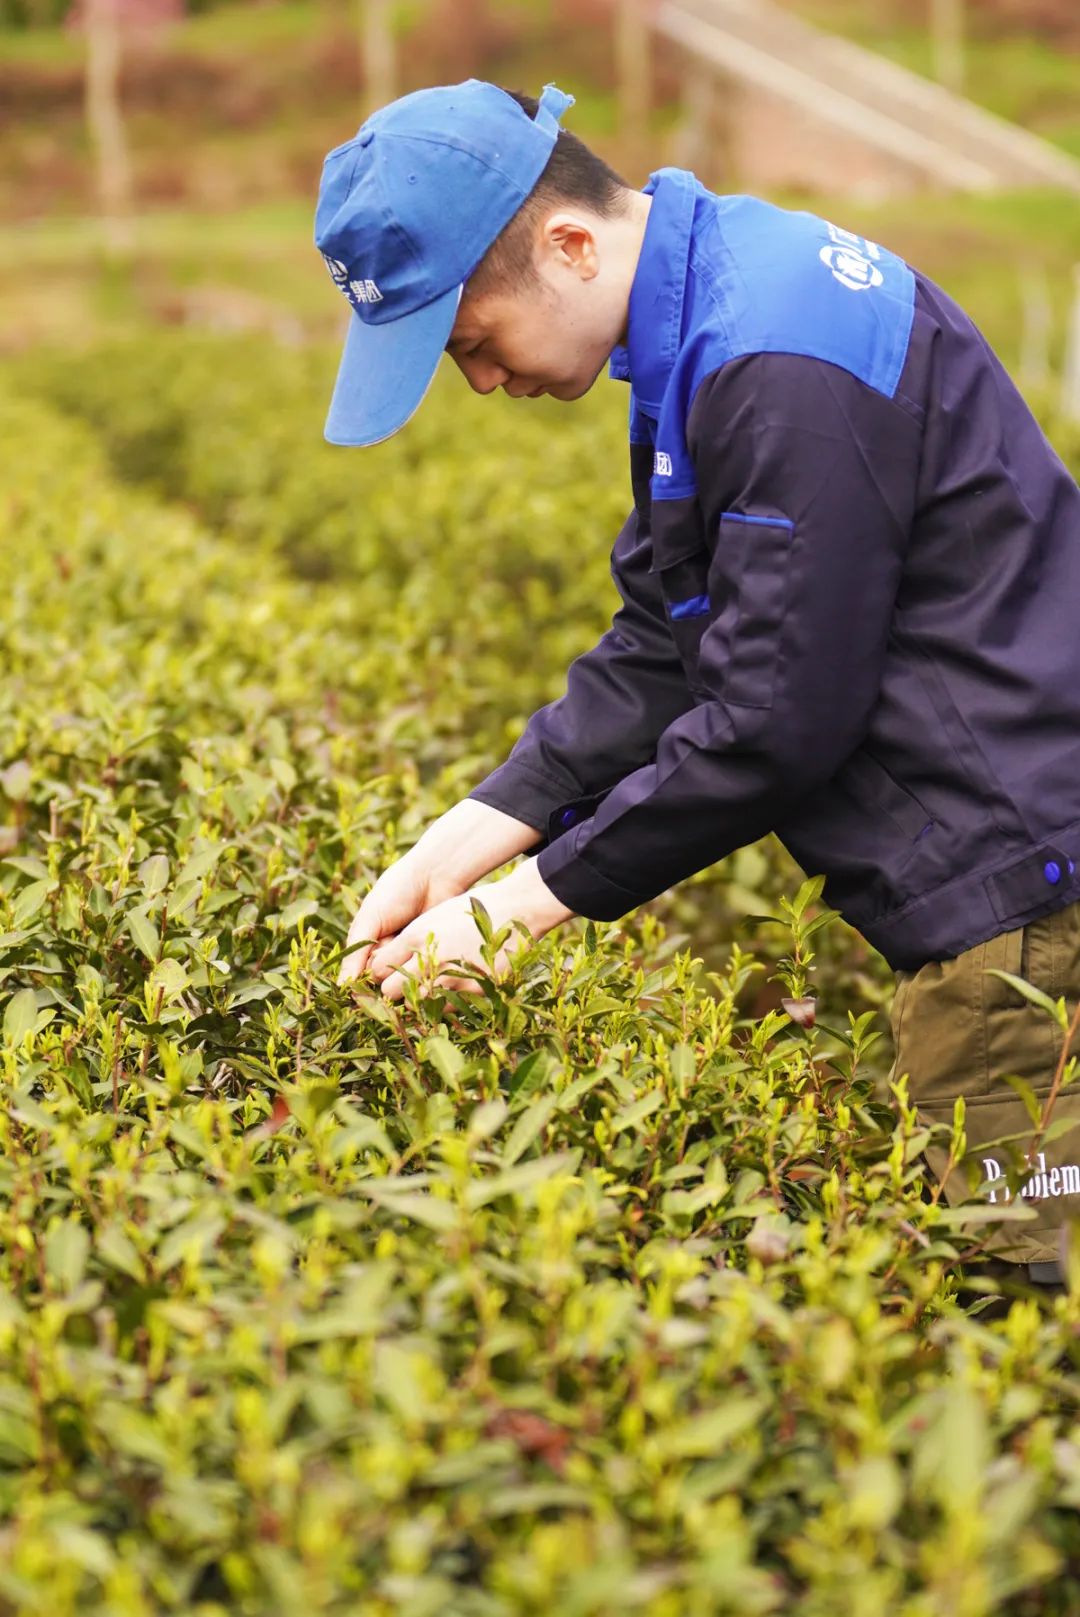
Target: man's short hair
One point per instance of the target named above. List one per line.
(573, 173)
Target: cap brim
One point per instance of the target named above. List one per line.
(386, 370)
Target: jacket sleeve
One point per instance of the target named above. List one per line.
(620, 697)
(806, 482)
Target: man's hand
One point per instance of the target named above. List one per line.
(404, 891)
(454, 935)
(465, 843)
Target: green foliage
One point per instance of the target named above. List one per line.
(587, 1294)
(484, 528)
(1054, 1007)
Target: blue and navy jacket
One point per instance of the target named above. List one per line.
(850, 590)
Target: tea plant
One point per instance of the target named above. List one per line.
(483, 529)
(590, 1293)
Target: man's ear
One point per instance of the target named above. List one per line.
(568, 238)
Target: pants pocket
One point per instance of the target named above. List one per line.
(948, 1025)
(961, 1031)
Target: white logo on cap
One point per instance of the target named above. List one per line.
(362, 291)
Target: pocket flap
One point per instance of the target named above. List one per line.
(874, 789)
(677, 533)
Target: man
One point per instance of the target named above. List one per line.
(849, 584)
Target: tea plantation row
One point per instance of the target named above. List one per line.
(478, 540)
(475, 544)
(589, 1294)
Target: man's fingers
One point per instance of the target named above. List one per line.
(366, 923)
(356, 961)
(461, 985)
(353, 964)
(366, 931)
(394, 985)
(394, 952)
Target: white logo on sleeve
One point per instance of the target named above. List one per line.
(851, 259)
(662, 464)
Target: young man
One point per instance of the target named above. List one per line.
(849, 584)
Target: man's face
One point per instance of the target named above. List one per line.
(528, 343)
(552, 335)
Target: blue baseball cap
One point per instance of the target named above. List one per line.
(406, 211)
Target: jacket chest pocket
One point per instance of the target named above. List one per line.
(740, 591)
(751, 578)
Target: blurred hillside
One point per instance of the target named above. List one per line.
(230, 110)
(236, 105)
(239, 104)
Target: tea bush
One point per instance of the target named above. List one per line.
(483, 532)
(586, 1294)
(483, 529)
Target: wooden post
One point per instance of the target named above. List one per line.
(702, 141)
(1036, 316)
(1070, 385)
(106, 124)
(635, 91)
(380, 55)
(947, 27)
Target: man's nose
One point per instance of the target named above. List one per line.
(484, 376)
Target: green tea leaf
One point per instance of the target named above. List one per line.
(170, 975)
(432, 1211)
(1021, 1087)
(16, 780)
(487, 1119)
(20, 1016)
(30, 901)
(529, 1125)
(1056, 1007)
(29, 866)
(630, 1116)
(709, 1431)
(446, 1058)
(117, 1249)
(154, 874)
(301, 910)
(523, 1176)
(808, 893)
(482, 918)
(67, 1247)
(143, 932)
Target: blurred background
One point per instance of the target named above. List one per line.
(159, 161)
(159, 158)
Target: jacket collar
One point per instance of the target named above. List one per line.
(654, 323)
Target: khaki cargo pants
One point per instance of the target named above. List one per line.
(958, 1031)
